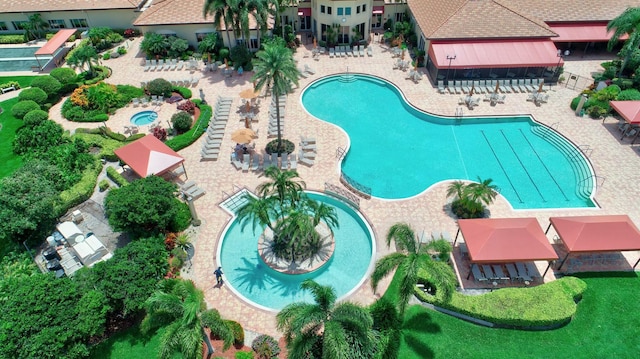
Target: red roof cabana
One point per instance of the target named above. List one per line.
(149, 156)
(629, 110)
(502, 240)
(51, 47)
(611, 233)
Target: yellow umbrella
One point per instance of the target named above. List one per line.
(249, 94)
(243, 135)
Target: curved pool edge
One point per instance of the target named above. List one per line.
(360, 283)
(529, 116)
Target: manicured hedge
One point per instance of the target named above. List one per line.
(545, 305)
(113, 174)
(186, 139)
(183, 91)
(12, 39)
(107, 145)
(22, 108)
(82, 190)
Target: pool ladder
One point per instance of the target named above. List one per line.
(340, 152)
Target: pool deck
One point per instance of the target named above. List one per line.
(615, 161)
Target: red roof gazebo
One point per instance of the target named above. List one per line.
(149, 156)
(613, 233)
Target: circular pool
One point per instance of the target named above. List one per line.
(144, 118)
(249, 277)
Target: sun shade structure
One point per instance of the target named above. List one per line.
(629, 110)
(503, 240)
(149, 156)
(495, 54)
(578, 32)
(611, 233)
(52, 46)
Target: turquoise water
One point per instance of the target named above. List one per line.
(247, 275)
(7, 52)
(20, 59)
(399, 151)
(144, 118)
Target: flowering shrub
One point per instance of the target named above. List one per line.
(160, 133)
(181, 122)
(129, 33)
(79, 98)
(187, 106)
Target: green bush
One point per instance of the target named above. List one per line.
(81, 191)
(113, 174)
(22, 108)
(68, 88)
(181, 122)
(223, 54)
(628, 95)
(159, 87)
(238, 332)
(100, 117)
(114, 135)
(64, 75)
(48, 84)
(549, 304)
(265, 346)
(95, 138)
(12, 39)
(106, 56)
(574, 103)
(182, 219)
(134, 137)
(127, 93)
(121, 50)
(186, 139)
(14, 84)
(244, 355)
(34, 94)
(35, 117)
(183, 91)
(103, 185)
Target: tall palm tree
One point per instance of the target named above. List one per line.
(208, 44)
(222, 14)
(277, 7)
(34, 28)
(283, 184)
(483, 191)
(84, 56)
(325, 329)
(626, 23)
(275, 67)
(456, 189)
(410, 258)
(180, 305)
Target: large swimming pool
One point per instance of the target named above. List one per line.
(20, 59)
(248, 276)
(398, 151)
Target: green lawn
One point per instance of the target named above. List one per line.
(606, 325)
(24, 81)
(9, 162)
(130, 344)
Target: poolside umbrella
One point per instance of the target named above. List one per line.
(243, 135)
(249, 94)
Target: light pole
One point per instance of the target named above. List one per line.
(557, 73)
(450, 58)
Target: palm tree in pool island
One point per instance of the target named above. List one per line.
(326, 329)
(627, 23)
(413, 259)
(180, 306)
(275, 68)
(469, 199)
(290, 214)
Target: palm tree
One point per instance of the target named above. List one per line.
(222, 14)
(180, 305)
(283, 184)
(411, 256)
(34, 28)
(242, 10)
(275, 67)
(84, 56)
(456, 189)
(279, 6)
(626, 23)
(325, 329)
(208, 44)
(483, 191)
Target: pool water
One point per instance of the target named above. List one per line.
(144, 118)
(398, 151)
(20, 59)
(247, 275)
(9, 52)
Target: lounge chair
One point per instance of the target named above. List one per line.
(370, 51)
(147, 65)
(305, 160)
(501, 98)
(504, 87)
(174, 64)
(522, 272)
(255, 163)
(332, 52)
(308, 154)
(154, 99)
(274, 159)
(234, 160)
(309, 70)
(477, 274)
(136, 102)
(180, 65)
(529, 86)
(465, 86)
(522, 86)
(464, 251)
(267, 161)
(303, 73)
(532, 270)
(160, 65)
(456, 87)
(354, 51)
(307, 140)
(497, 269)
(167, 65)
(441, 88)
(284, 162)
(246, 159)
(293, 162)
(361, 50)
(144, 102)
(154, 65)
(195, 80)
(343, 51)
(488, 272)
(513, 273)
(488, 86)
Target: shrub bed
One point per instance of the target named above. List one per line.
(113, 174)
(186, 139)
(12, 39)
(183, 91)
(103, 185)
(22, 108)
(14, 84)
(81, 191)
(181, 122)
(94, 138)
(545, 305)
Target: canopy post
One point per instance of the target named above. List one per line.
(456, 239)
(548, 228)
(470, 265)
(564, 260)
(546, 270)
(185, 171)
(638, 261)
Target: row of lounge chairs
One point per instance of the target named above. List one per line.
(215, 131)
(308, 151)
(344, 51)
(155, 101)
(273, 116)
(306, 72)
(257, 162)
(489, 86)
(191, 190)
(162, 65)
(525, 272)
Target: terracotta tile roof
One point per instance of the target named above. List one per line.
(465, 19)
(175, 12)
(9, 6)
(572, 10)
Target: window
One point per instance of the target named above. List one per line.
(79, 23)
(253, 44)
(399, 16)
(329, 10)
(57, 24)
(201, 35)
(19, 25)
(347, 11)
(323, 32)
(3, 26)
(239, 42)
(322, 9)
(340, 11)
(358, 9)
(364, 7)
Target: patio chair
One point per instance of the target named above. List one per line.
(144, 102)
(255, 163)
(293, 161)
(160, 65)
(529, 86)
(147, 65)
(370, 51)
(307, 140)
(154, 65)
(497, 269)
(522, 272)
(513, 85)
(234, 160)
(267, 161)
(488, 272)
(180, 65)
(274, 159)
(465, 86)
(456, 87)
(284, 163)
(332, 52)
(167, 65)
(135, 102)
(308, 146)
(160, 100)
(154, 99)
(303, 73)
(309, 70)
(174, 64)
(194, 81)
(307, 154)
(511, 269)
(504, 87)
(246, 159)
(343, 51)
(532, 270)
(305, 160)
(354, 51)
(464, 251)
(441, 88)
(361, 50)
(477, 274)
(522, 86)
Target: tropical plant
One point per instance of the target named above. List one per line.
(287, 211)
(159, 86)
(275, 68)
(326, 329)
(208, 45)
(411, 255)
(627, 23)
(177, 46)
(265, 347)
(469, 199)
(48, 84)
(154, 45)
(242, 10)
(84, 56)
(222, 15)
(35, 27)
(181, 121)
(180, 306)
